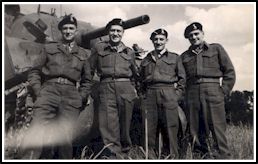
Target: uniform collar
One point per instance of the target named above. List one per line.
(163, 51)
(154, 54)
(119, 48)
(205, 46)
(72, 45)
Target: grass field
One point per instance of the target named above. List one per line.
(240, 141)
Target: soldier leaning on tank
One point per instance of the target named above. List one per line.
(161, 71)
(58, 103)
(115, 64)
(205, 64)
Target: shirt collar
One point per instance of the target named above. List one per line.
(71, 45)
(204, 47)
(155, 54)
(163, 51)
(119, 48)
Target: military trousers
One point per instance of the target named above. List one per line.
(115, 114)
(206, 106)
(50, 134)
(160, 105)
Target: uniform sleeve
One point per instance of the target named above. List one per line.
(227, 68)
(34, 75)
(87, 75)
(135, 68)
(143, 85)
(181, 75)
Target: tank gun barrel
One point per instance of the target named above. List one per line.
(137, 21)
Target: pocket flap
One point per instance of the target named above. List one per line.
(126, 56)
(79, 56)
(104, 53)
(145, 63)
(209, 54)
(169, 61)
(52, 51)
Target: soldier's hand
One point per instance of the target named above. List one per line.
(88, 101)
(85, 102)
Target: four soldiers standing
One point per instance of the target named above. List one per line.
(163, 76)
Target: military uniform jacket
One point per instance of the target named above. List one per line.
(167, 69)
(56, 61)
(212, 62)
(110, 62)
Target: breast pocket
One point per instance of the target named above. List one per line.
(124, 61)
(54, 58)
(168, 67)
(189, 64)
(211, 60)
(105, 59)
(147, 68)
(77, 62)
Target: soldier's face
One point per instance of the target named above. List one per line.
(196, 37)
(159, 42)
(69, 32)
(116, 33)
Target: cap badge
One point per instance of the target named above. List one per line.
(194, 27)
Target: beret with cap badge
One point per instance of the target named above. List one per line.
(193, 26)
(159, 32)
(115, 21)
(68, 19)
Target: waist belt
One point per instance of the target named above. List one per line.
(113, 79)
(61, 80)
(159, 85)
(203, 80)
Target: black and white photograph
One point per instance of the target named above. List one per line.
(129, 81)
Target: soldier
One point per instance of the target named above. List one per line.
(205, 64)
(53, 80)
(115, 64)
(164, 80)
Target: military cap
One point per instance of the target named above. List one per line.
(159, 31)
(116, 21)
(68, 19)
(193, 26)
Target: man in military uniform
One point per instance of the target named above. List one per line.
(58, 102)
(115, 64)
(164, 80)
(205, 64)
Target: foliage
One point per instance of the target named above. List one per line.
(239, 107)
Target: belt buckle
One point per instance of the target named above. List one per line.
(61, 80)
(199, 80)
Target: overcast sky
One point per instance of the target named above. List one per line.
(231, 25)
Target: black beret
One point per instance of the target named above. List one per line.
(193, 26)
(159, 32)
(68, 19)
(116, 21)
